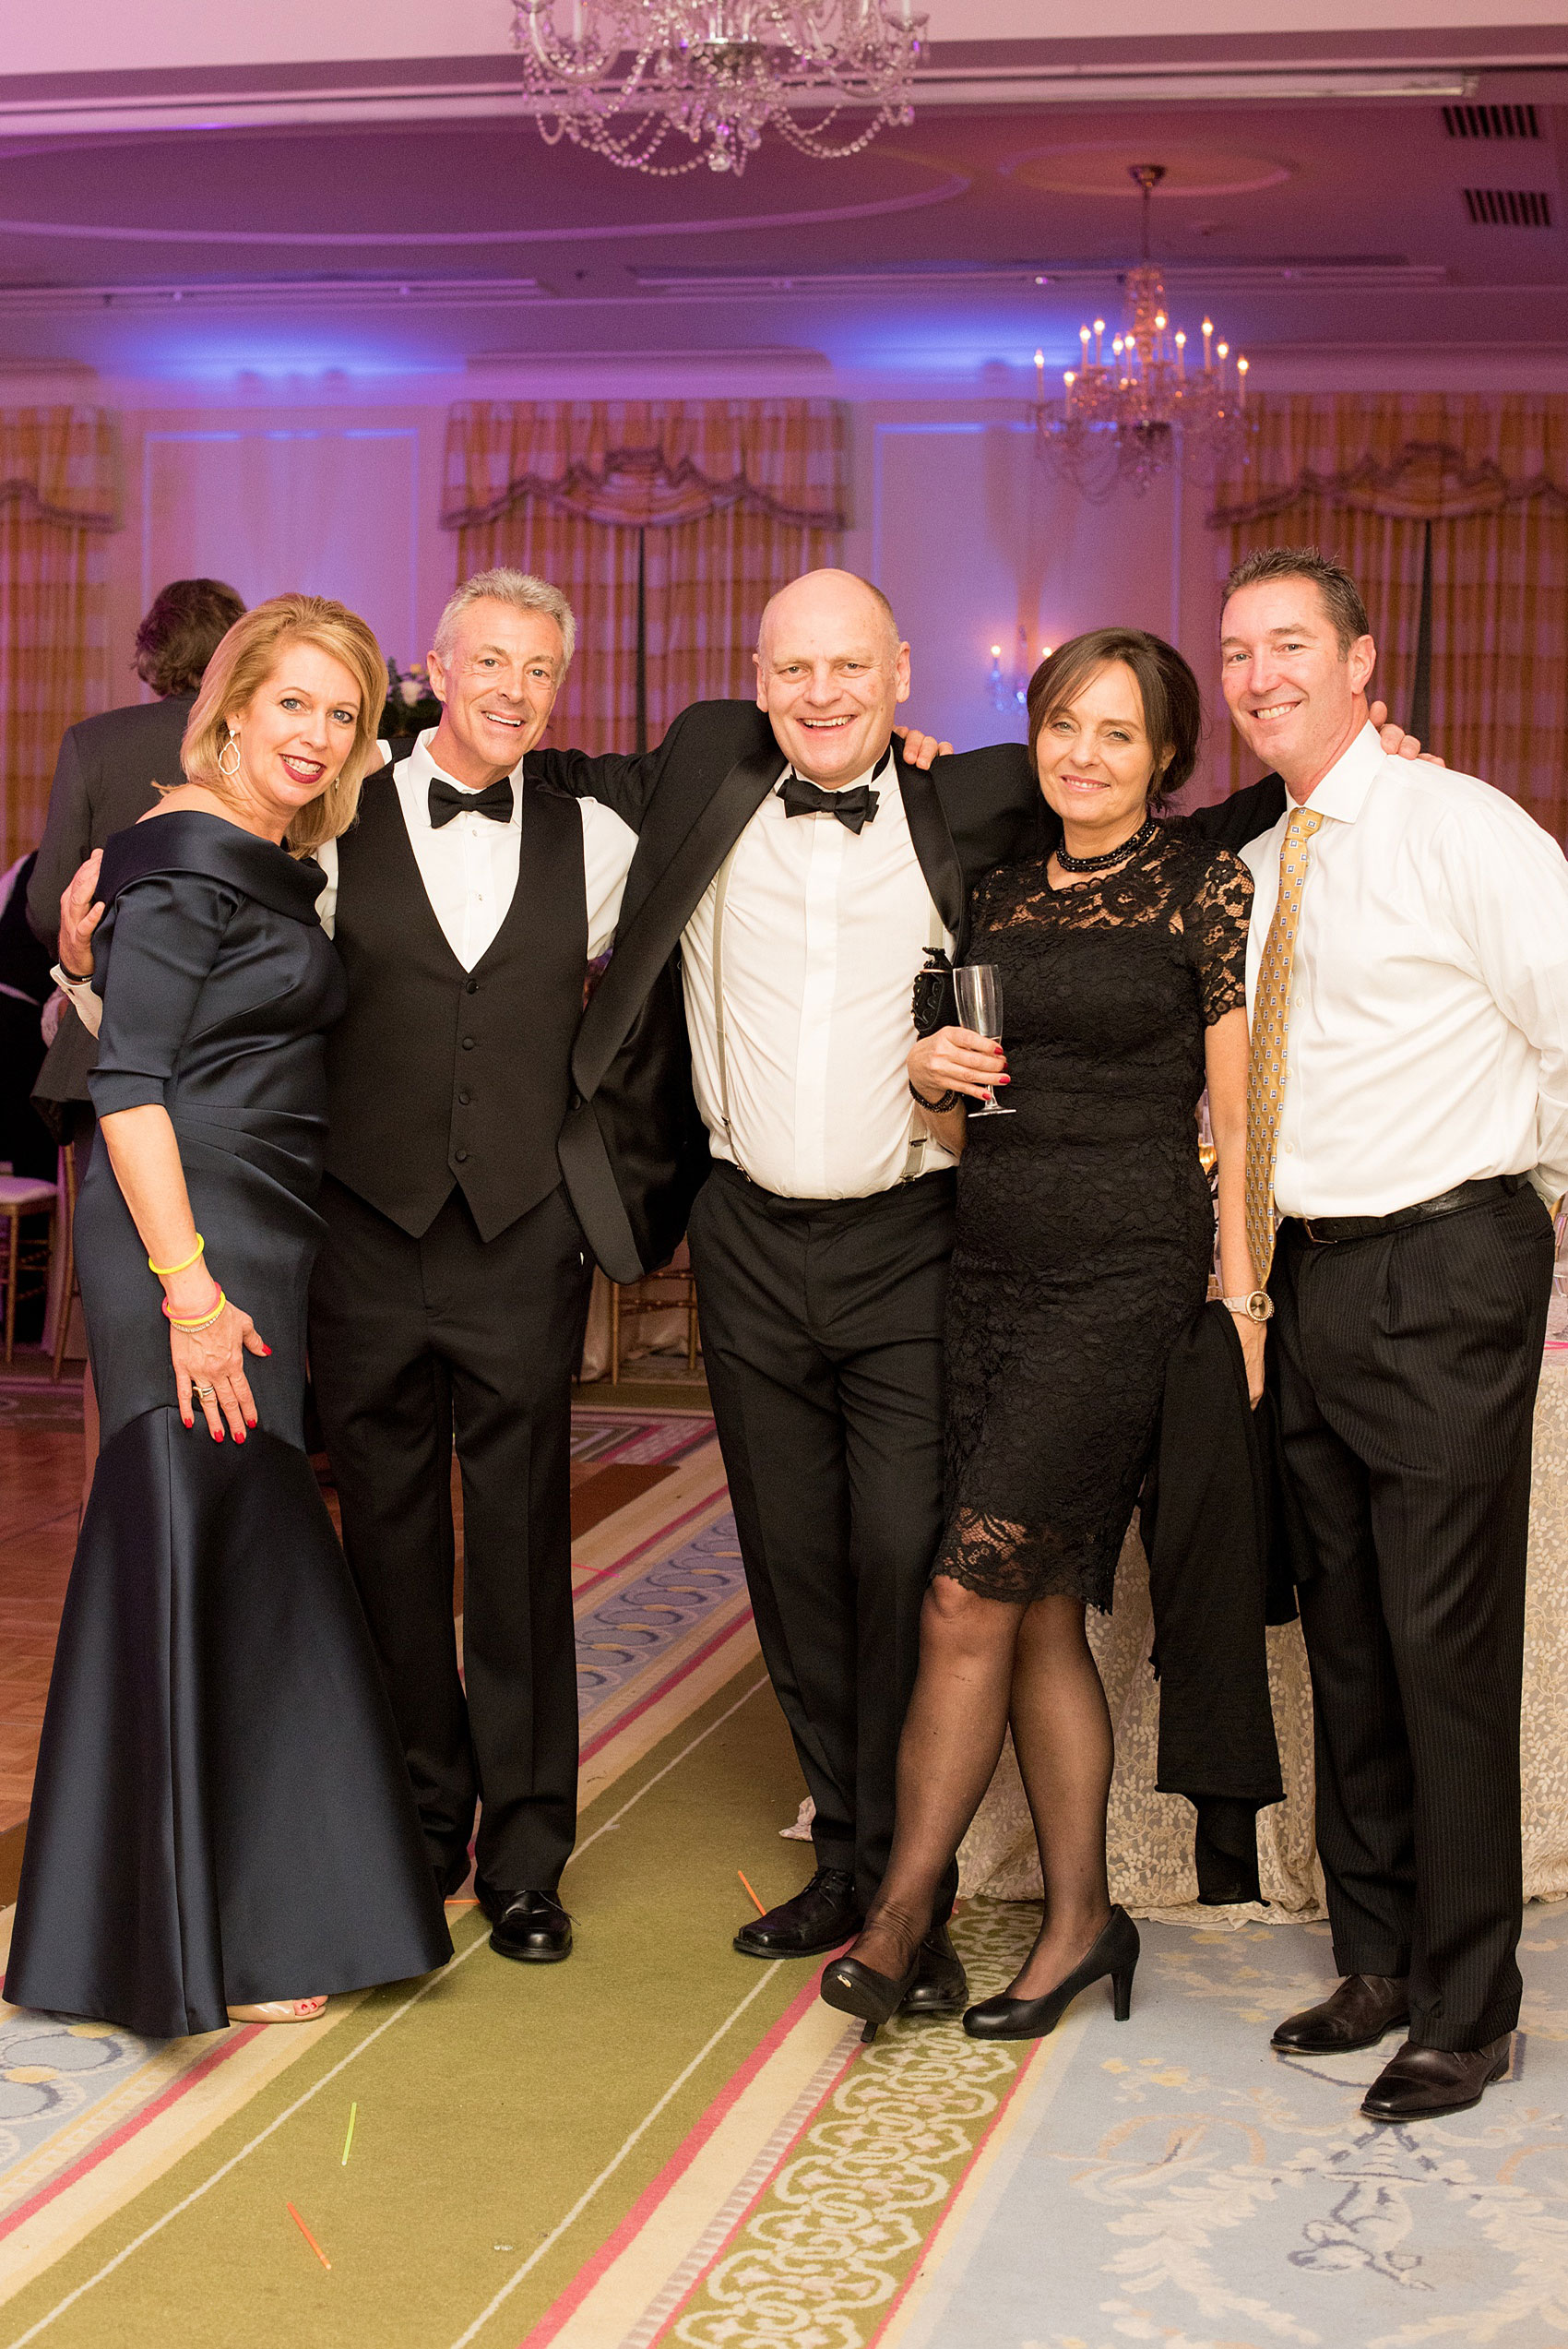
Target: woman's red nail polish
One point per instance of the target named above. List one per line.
(190, 1423)
(266, 1350)
(218, 1434)
(250, 1422)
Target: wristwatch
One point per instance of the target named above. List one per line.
(1258, 1306)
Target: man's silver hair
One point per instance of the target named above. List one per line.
(519, 589)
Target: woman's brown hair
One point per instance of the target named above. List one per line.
(244, 660)
(1173, 712)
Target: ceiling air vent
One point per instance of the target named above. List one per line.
(1508, 208)
(1490, 121)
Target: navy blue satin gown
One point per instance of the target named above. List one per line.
(221, 1813)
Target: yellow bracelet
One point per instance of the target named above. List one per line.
(167, 1271)
(207, 1320)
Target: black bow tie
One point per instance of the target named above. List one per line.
(852, 808)
(446, 800)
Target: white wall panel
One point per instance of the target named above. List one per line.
(330, 509)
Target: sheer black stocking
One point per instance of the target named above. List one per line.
(982, 1661)
(1062, 1737)
(947, 1754)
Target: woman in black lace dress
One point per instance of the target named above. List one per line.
(1084, 1246)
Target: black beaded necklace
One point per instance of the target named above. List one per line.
(1140, 839)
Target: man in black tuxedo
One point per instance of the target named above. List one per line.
(105, 777)
(820, 1213)
(451, 1288)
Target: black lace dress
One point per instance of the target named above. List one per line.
(1085, 1225)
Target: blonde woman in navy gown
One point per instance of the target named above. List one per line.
(222, 1825)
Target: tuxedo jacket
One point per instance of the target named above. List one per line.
(633, 1149)
(103, 782)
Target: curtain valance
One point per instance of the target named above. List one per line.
(640, 463)
(61, 465)
(1408, 457)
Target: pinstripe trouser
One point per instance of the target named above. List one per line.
(1406, 1367)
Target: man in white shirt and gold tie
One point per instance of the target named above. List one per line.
(1407, 1122)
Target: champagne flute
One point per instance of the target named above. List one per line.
(977, 988)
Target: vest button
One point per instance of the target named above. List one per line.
(461, 1156)
(468, 1043)
(472, 988)
(464, 1098)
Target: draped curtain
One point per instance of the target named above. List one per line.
(58, 500)
(1361, 476)
(666, 524)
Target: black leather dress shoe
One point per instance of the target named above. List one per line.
(530, 1927)
(1421, 2083)
(1356, 2015)
(822, 1917)
(942, 1986)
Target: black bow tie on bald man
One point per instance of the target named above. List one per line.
(447, 800)
(853, 808)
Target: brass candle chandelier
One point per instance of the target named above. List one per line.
(1130, 414)
(631, 79)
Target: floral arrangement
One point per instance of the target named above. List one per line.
(410, 706)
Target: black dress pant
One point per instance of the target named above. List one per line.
(1407, 1366)
(416, 1345)
(822, 1335)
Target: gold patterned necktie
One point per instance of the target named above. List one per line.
(1271, 1026)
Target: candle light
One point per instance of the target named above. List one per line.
(1224, 354)
(1069, 379)
(1098, 330)
(1180, 356)
(1040, 376)
(1083, 346)
(1208, 329)
(1242, 378)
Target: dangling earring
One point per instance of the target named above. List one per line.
(233, 743)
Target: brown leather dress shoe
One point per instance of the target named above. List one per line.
(1420, 2083)
(1356, 2015)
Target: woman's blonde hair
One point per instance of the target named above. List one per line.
(246, 658)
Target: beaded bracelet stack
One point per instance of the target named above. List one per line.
(167, 1273)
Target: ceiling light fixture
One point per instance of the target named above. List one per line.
(1131, 418)
(629, 74)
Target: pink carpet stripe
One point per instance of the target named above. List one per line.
(132, 2127)
(672, 1525)
(675, 2168)
(625, 1720)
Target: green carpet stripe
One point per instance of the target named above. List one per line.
(508, 2116)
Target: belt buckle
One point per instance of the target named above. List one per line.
(1307, 1228)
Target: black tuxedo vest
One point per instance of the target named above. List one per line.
(439, 1076)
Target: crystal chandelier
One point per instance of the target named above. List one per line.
(715, 73)
(1132, 417)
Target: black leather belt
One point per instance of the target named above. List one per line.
(1324, 1229)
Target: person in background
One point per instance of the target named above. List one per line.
(222, 1823)
(106, 777)
(1407, 1125)
(27, 1147)
(1085, 1233)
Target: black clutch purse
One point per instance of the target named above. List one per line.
(934, 1004)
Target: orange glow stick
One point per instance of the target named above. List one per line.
(742, 1874)
(308, 2235)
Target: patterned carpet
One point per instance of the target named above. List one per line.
(666, 2143)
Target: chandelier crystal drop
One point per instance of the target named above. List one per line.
(1134, 412)
(632, 79)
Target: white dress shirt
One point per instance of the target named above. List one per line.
(824, 932)
(1428, 1040)
(469, 866)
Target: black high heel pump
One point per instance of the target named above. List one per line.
(873, 1998)
(1115, 1953)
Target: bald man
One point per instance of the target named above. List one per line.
(793, 874)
